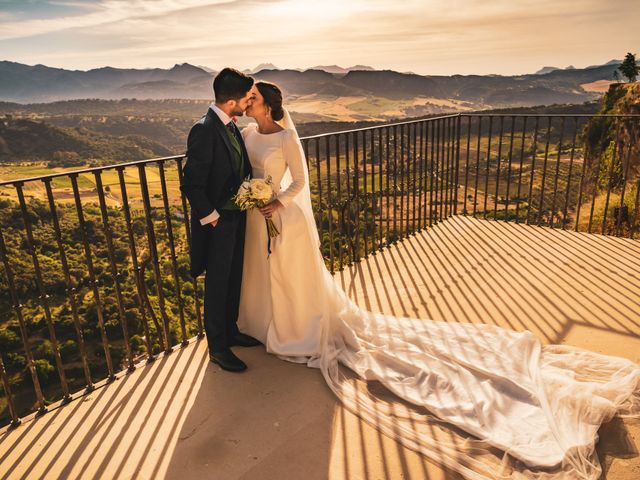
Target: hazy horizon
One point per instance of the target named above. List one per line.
(302, 68)
(431, 37)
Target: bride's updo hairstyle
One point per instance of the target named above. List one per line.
(272, 98)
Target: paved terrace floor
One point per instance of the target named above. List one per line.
(183, 418)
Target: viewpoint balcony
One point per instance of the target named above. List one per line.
(521, 221)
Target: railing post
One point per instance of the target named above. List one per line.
(533, 169)
(338, 204)
(70, 289)
(414, 179)
(457, 164)
(388, 178)
(616, 147)
(432, 175)
(636, 211)
(134, 263)
(568, 192)
(13, 413)
(624, 181)
(420, 185)
(557, 175)
(520, 167)
(329, 204)
(509, 165)
(380, 195)
(402, 182)
(476, 183)
(498, 164)
(172, 250)
(544, 172)
(114, 270)
(320, 199)
(585, 158)
(43, 295)
(486, 177)
(395, 179)
(92, 277)
(364, 192)
(17, 308)
(153, 252)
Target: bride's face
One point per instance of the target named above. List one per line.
(257, 107)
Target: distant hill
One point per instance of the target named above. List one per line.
(262, 66)
(27, 84)
(545, 70)
(23, 139)
(610, 62)
(340, 70)
(207, 69)
(19, 82)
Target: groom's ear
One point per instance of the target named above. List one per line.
(231, 103)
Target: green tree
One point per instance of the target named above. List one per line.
(45, 370)
(8, 340)
(629, 68)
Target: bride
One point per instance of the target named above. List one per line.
(487, 402)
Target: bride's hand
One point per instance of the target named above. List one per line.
(270, 208)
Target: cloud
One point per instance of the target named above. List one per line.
(99, 13)
(425, 36)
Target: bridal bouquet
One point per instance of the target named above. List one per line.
(256, 193)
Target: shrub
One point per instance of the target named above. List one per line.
(8, 340)
(45, 370)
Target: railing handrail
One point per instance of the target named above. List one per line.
(384, 125)
(462, 114)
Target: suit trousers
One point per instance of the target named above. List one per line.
(223, 278)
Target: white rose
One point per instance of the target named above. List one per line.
(260, 190)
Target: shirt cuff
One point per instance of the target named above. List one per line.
(212, 217)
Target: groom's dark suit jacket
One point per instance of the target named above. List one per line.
(209, 179)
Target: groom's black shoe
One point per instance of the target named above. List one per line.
(227, 361)
(243, 340)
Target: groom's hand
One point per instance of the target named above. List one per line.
(211, 219)
(270, 208)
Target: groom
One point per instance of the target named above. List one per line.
(217, 162)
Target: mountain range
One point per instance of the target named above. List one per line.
(28, 84)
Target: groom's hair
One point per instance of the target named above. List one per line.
(231, 84)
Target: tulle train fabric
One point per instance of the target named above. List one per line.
(484, 401)
(493, 403)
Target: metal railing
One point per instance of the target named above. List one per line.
(548, 169)
(95, 261)
(375, 186)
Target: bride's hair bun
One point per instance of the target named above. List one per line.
(272, 98)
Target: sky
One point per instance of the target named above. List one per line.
(429, 37)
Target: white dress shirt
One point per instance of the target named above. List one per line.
(226, 119)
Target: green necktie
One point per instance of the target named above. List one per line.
(234, 139)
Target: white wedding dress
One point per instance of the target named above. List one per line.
(485, 401)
